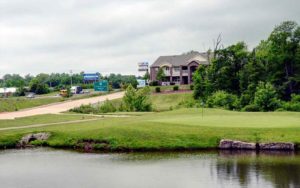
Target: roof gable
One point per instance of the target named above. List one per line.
(181, 60)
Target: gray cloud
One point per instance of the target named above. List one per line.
(112, 36)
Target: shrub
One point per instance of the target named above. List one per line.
(175, 88)
(245, 99)
(295, 98)
(137, 100)
(154, 83)
(20, 91)
(157, 89)
(106, 107)
(189, 103)
(251, 108)
(291, 106)
(223, 99)
(191, 87)
(84, 109)
(265, 97)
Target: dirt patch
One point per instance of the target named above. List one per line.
(89, 145)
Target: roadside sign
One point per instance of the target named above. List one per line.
(141, 83)
(143, 66)
(101, 86)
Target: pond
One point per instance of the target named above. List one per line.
(50, 168)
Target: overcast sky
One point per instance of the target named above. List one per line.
(114, 35)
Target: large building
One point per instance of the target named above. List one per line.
(178, 69)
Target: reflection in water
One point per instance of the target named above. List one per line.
(55, 168)
(282, 169)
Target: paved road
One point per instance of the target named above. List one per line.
(59, 107)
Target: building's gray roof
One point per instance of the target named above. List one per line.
(184, 59)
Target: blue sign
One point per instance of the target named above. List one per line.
(91, 77)
(101, 86)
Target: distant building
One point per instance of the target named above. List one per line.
(8, 91)
(178, 69)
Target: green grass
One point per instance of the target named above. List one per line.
(177, 129)
(163, 102)
(41, 119)
(18, 103)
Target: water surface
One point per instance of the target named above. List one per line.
(34, 168)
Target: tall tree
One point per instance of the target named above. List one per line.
(160, 74)
(282, 63)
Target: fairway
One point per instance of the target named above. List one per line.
(224, 118)
(171, 130)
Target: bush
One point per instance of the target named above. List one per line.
(154, 83)
(189, 103)
(251, 108)
(175, 88)
(84, 109)
(107, 107)
(295, 98)
(191, 87)
(137, 100)
(265, 97)
(157, 89)
(21, 91)
(291, 106)
(223, 99)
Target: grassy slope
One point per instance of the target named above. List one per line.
(18, 103)
(163, 102)
(41, 119)
(178, 129)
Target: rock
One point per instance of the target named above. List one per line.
(277, 146)
(25, 140)
(233, 144)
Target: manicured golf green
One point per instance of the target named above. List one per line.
(171, 130)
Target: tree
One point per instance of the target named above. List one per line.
(283, 64)
(137, 100)
(223, 73)
(160, 74)
(202, 84)
(38, 87)
(146, 76)
(266, 97)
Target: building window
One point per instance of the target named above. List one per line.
(184, 68)
(167, 68)
(176, 69)
(176, 79)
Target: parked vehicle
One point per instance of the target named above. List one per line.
(63, 92)
(76, 89)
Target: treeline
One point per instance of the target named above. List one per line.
(44, 83)
(264, 79)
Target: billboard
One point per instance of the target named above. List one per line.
(141, 83)
(90, 76)
(101, 86)
(143, 66)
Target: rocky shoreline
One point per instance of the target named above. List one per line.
(226, 144)
(90, 145)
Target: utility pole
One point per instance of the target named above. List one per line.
(71, 77)
(4, 86)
